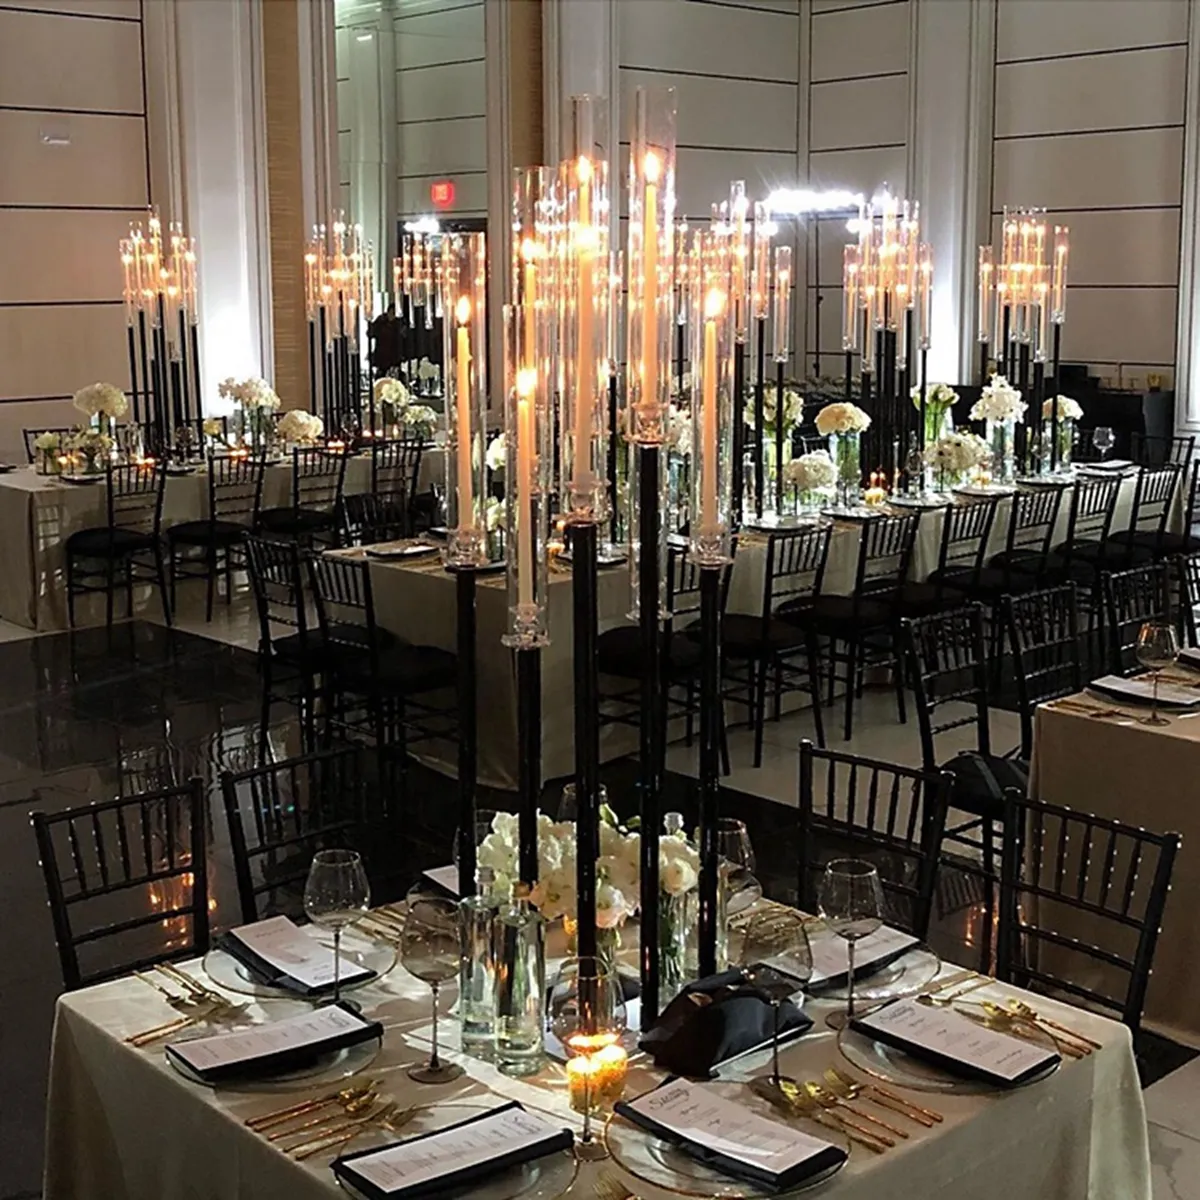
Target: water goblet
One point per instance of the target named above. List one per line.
(1103, 439)
(1157, 649)
(429, 950)
(850, 899)
(336, 893)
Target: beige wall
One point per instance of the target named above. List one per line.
(73, 145)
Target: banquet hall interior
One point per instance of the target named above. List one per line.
(604, 510)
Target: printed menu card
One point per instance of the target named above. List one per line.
(729, 1137)
(831, 954)
(453, 1157)
(273, 1048)
(953, 1041)
(282, 954)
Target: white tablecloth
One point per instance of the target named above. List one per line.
(123, 1126)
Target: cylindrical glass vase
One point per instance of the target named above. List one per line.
(846, 451)
(1000, 440)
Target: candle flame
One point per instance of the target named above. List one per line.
(462, 310)
(714, 304)
(526, 382)
(583, 169)
(651, 167)
(529, 250)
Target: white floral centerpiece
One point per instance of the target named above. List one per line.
(92, 449)
(1069, 411)
(300, 428)
(1001, 406)
(843, 424)
(940, 398)
(793, 409)
(103, 404)
(420, 419)
(954, 455)
(496, 455)
(256, 403)
(679, 430)
(391, 399)
(842, 417)
(213, 429)
(49, 447)
(813, 476)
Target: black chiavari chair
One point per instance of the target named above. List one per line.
(1131, 598)
(395, 470)
(127, 881)
(1187, 570)
(318, 479)
(367, 518)
(30, 436)
(966, 528)
(1153, 505)
(1150, 450)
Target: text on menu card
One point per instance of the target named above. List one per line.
(288, 948)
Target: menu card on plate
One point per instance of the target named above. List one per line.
(952, 1041)
(1141, 690)
(275, 1048)
(453, 1157)
(730, 1138)
(1190, 657)
(831, 954)
(280, 953)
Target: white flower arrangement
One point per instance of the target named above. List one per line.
(493, 514)
(101, 400)
(679, 430)
(420, 418)
(842, 417)
(496, 454)
(48, 442)
(422, 370)
(1068, 409)
(958, 453)
(940, 396)
(392, 391)
(793, 408)
(90, 444)
(213, 428)
(299, 426)
(999, 401)
(811, 471)
(249, 393)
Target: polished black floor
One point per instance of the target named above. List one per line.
(89, 715)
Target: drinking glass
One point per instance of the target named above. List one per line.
(429, 950)
(850, 899)
(336, 893)
(483, 826)
(1157, 648)
(737, 862)
(775, 957)
(587, 1014)
(1103, 439)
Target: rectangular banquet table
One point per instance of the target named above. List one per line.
(122, 1125)
(1141, 775)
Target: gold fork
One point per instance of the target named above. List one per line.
(841, 1084)
(342, 1133)
(351, 1108)
(280, 1115)
(829, 1100)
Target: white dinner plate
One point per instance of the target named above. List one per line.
(907, 975)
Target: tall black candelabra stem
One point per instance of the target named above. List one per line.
(613, 435)
(710, 763)
(1022, 382)
(739, 429)
(147, 391)
(680, 339)
(905, 399)
(133, 375)
(322, 338)
(849, 394)
(1004, 350)
(587, 732)
(1039, 388)
(921, 420)
(467, 728)
(1056, 350)
(529, 764)
(984, 358)
(651, 727)
(183, 368)
(779, 415)
(194, 332)
(760, 387)
(312, 366)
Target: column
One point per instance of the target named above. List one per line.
(1187, 353)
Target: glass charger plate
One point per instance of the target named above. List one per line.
(894, 1066)
(542, 1179)
(323, 1070)
(660, 1164)
(907, 976)
(378, 956)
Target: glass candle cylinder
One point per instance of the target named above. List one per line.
(1058, 283)
(986, 297)
(781, 318)
(738, 220)
(649, 260)
(850, 282)
(760, 279)
(464, 290)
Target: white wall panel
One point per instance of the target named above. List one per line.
(129, 10)
(831, 328)
(470, 195)
(440, 92)
(1039, 28)
(443, 147)
(49, 414)
(1090, 170)
(862, 112)
(703, 176)
(33, 341)
(85, 265)
(709, 39)
(829, 237)
(69, 62)
(1120, 325)
(452, 35)
(823, 6)
(723, 113)
(1107, 91)
(863, 171)
(859, 41)
(103, 164)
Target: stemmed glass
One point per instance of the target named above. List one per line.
(587, 1014)
(1103, 439)
(1157, 648)
(429, 950)
(336, 893)
(850, 899)
(775, 957)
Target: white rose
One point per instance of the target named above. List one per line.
(841, 418)
(1068, 409)
(611, 906)
(677, 876)
(811, 471)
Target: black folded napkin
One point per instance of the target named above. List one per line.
(278, 1062)
(270, 975)
(714, 1020)
(346, 1172)
(820, 1163)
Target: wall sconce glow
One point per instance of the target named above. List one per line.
(364, 37)
(796, 202)
(423, 225)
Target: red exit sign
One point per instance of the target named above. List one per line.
(441, 194)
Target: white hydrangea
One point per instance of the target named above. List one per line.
(101, 399)
(999, 401)
(842, 417)
(392, 391)
(958, 453)
(1068, 409)
(793, 407)
(811, 471)
(300, 426)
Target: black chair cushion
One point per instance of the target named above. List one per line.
(1124, 550)
(989, 584)
(1167, 543)
(835, 614)
(1055, 570)
(742, 636)
(204, 533)
(344, 637)
(402, 669)
(294, 520)
(925, 599)
(103, 542)
(980, 781)
(619, 652)
(1017, 560)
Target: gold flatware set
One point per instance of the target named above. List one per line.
(383, 923)
(192, 999)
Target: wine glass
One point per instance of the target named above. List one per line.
(429, 950)
(775, 957)
(335, 893)
(1157, 648)
(735, 853)
(1103, 439)
(850, 899)
(587, 1014)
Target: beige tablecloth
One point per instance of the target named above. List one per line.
(1143, 776)
(123, 1126)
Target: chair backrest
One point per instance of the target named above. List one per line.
(1149, 450)
(395, 468)
(141, 855)
(1043, 631)
(1093, 503)
(1032, 519)
(281, 813)
(368, 517)
(1131, 598)
(885, 553)
(947, 662)
(318, 476)
(235, 484)
(341, 587)
(891, 815)
(795, 568)
(1154, 499)
(1188, 573)
(29, 436)
(135, 496)
(683, 580)
(965, 532)
(1065, 877)
(277, 580)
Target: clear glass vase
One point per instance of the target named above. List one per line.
(1066, 444)
(846, 451)
(1001, 438)
(673, 924)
